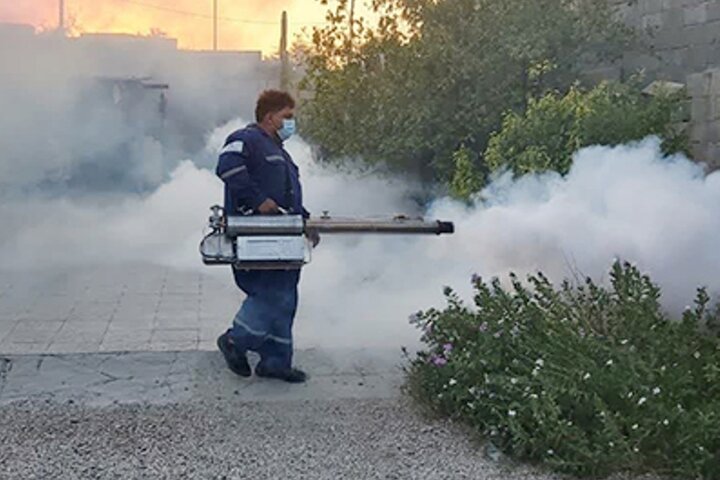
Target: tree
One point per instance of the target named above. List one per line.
(466, 179)
(436, 74)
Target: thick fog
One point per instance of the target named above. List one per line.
(82, 184)
(629, 203)
(626, 202)
(106, 113)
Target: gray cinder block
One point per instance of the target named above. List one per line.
(700, 109)
(696, 15)
(653, 21)
(698, 84)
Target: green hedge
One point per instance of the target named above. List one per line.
(555, 126)
(585, 379)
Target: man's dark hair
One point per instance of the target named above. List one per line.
(272, 101)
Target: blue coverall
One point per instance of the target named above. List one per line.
(254, 167)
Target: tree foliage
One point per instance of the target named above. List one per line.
(466, 179)
(555, 126)
(435, 74)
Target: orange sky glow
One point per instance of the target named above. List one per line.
(244, 24)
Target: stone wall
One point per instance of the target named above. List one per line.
(704, 91)
(683, 36)
(681, 39)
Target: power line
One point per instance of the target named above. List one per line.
(209, 17)
(196, 14)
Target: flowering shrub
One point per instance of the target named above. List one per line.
(586, 379)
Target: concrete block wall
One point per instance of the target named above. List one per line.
(704, 91)
(681, 43)
(683, 36)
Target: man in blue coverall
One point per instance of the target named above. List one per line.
(261, 179)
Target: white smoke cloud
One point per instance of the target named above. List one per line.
(86, 114)
(162, 228)
(626, 202)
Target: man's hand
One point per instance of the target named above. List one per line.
(314, 237)
(269, 207)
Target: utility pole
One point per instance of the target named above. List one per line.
(352, 22)
(61, 18)
(215, 25)
(284, 60)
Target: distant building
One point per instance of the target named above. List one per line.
(156, 102)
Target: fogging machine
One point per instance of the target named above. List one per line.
(280, 242)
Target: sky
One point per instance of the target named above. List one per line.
(244, 24)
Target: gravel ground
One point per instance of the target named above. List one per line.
(354, 439)
(183, 415)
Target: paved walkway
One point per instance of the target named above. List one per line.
(103, 379)
(118, 308)
(128, 308)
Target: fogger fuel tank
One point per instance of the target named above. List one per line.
(279, 242)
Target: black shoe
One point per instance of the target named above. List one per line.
(235, 362)
(291, 375)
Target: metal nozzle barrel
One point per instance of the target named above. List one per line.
(261, 225)
(392, 226)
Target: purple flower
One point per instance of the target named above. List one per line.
(447, 348)
(483, 327)
(438, 361)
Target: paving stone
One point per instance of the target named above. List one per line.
(34, 331)
(87, 341)
(85, 345)
(118, 333)
(11, 309)
(20, 348)
(143, 377)
(176, 335)
(177, 346)
(133, 320)
(124, 345)
(90, 315)
(696, 15)
(5, 328)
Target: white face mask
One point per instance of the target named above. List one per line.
(287, 130)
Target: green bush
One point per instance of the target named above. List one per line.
(585, 379)
(555, 126)
(467, 179)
